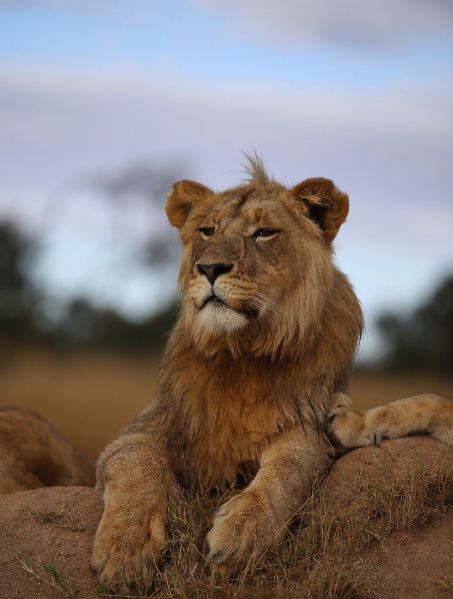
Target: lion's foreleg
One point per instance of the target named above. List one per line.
(128, 544)
(257, 518)
(429, 414)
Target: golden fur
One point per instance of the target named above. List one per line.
(266, 336)
(34, 455)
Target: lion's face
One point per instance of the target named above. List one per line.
(245, 256)
(256, 255)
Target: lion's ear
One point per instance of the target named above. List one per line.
(180, 201)
(323, 203)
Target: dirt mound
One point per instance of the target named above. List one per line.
(46, 534)
(415, 563)
(45, 542)
(355, 472)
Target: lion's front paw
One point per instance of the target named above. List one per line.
(244, 526)
(345, 425)
(127, 553)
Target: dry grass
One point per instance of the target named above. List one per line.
(402, 504)
(58, 517)
(60, 580)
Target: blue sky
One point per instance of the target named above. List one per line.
(195, 41)
(358, 92)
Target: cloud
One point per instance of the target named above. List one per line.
(84, 5)
(55, 126)
(372, 24)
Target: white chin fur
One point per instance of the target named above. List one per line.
(221, 319)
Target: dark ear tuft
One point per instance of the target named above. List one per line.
(180, 201)
(326, 205)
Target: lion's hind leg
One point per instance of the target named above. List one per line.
(428, 414)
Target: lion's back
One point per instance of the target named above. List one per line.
(33, 454)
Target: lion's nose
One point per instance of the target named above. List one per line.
(212, 271)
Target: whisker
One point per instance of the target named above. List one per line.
(270, 300)
(267, 297)
(263, 295)
(260, 303)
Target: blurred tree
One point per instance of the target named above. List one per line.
(80, 324)
(86, 327)
(17, 294)
(148, 186)
(423, 340)
(28, 314)
(140, 180)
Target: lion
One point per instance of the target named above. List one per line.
(253, 379)
(33, 455)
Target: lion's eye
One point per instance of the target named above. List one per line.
(265, 232)
(207, 231)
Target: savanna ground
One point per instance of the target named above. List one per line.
(391, 538)
(381, 528)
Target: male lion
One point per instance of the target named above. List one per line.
(264, 343)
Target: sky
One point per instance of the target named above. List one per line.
(357, 92)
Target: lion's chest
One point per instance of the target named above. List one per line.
(225, 418)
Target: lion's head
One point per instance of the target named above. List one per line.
(257, 262)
